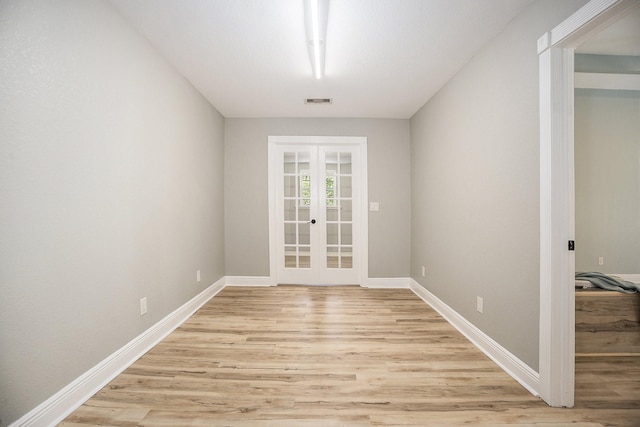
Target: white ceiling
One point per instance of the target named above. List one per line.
(384, 58)
(620, 38)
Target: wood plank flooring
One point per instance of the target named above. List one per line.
(339, 356)
(607, 322)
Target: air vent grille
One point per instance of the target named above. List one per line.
(318, 101)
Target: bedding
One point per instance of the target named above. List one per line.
(612, 283)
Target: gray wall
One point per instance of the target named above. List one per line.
(111, 169)
(475, 185)
(607, 168)
(246, 191)
(587, 63)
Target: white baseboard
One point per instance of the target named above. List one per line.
(513, 366)
(391, 282)
(57, 407)
(388, 283)
(249, 281)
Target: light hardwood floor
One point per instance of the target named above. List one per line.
(607, 322)
(339, 356)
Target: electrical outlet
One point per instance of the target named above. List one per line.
(143, 306)
(479, 304)
(424, 271)
(601, 260)
(198, 275)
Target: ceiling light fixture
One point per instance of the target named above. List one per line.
(316, 38)
(316, 12)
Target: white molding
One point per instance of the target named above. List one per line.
(250, 281)
(583, 16)
(557, 227)
(271, 183)
(544, 42)
(363, 230)
(506, 360)
(557, 217)
(317, 140)
(364, 211)
(607, 81)
(633, 277)
(57, 407)
(387, 282)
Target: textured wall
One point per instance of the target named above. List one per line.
(246, 191)
(111, 169)
(475, 185)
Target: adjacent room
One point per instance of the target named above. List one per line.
(607, 197)
(334, 203)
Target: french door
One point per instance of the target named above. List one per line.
(317, 213)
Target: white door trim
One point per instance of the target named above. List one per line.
(557, 215)
(361, 142)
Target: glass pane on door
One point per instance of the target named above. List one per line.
(297, 203)
(338, 200)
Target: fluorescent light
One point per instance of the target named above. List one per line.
(315, 22)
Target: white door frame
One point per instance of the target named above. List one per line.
(557, 194)
(363, 229)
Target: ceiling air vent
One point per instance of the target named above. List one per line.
(318, 100)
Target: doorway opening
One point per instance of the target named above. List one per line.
(557, 196)
(317, 210)
(607, 202)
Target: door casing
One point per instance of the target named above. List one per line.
(363, 227)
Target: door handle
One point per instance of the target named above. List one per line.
(313, 221)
